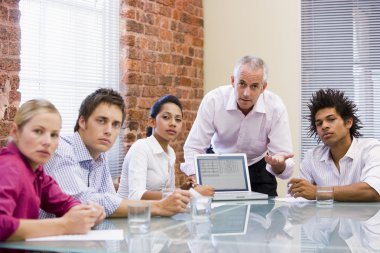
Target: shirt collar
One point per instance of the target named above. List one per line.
(82, 152)
(231, 103)
(155, 145)
(351, 152)
(326, 154)
(157, 149)
(258, 107)
(14, 149)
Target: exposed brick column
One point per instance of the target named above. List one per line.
(9, 65)
(161, 53)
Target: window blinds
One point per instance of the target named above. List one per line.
(340, 48)
(69, 48)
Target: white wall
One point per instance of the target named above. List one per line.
(269, 29)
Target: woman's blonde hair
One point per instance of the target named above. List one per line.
(32, 108)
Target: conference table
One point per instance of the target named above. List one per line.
(249, 226)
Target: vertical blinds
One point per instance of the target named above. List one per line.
(340, 48)
(69, 48)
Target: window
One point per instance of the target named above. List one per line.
(341, 49)
(69, 48)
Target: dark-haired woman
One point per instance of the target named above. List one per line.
(149, 164)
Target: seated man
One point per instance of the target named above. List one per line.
(348, 163)
(80, 166)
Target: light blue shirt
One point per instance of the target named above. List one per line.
(80, 176)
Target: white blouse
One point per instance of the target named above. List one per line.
(146, 167)
(361, 163)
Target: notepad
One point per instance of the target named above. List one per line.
(290, 199)
(92, 235)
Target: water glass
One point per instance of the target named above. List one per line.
(139, 217)
(325, 196)
(201, 208)
(166, 192)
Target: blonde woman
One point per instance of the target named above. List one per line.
(24, 186)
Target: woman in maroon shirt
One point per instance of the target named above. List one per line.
(24, 186)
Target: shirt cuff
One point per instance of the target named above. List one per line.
(113, 204)
(135, 195)
(287, 173)
(374, 183)
(9, 225)
(187, 169)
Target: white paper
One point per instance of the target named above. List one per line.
(290, 199)
(181, 217)
(194, 193)
(92, 235)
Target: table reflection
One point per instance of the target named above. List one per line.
(268, 230)
(260, 226)
(350, 227)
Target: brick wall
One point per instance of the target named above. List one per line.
(9, 65)
(161, 52)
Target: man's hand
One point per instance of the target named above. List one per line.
(277, 161)
(302, 188)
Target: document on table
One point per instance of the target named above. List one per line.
(290, 199)
(92, 235)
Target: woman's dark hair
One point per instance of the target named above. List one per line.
(102, 95)
(330, 98)
(156, 108)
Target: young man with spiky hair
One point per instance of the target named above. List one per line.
(348, 163)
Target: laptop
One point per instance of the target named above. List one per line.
(228, 174)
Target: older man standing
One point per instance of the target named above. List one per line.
(244, 117)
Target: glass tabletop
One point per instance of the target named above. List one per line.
(261, 225)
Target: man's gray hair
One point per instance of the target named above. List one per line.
(254, 62)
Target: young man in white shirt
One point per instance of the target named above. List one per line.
(245, 118)
(348, 163)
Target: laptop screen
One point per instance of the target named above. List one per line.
(223, 172)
